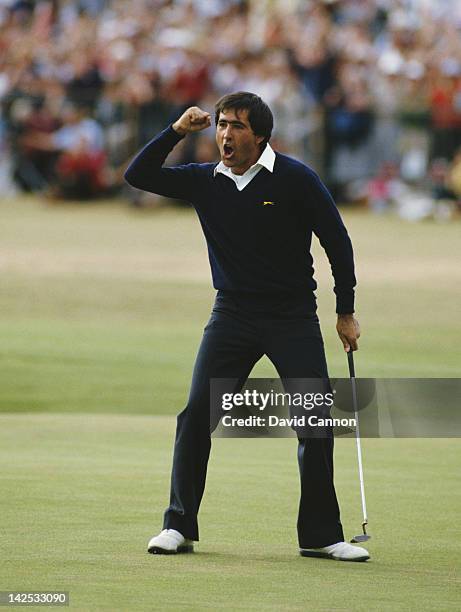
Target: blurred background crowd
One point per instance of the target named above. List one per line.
(368, 92)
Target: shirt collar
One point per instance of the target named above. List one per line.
(266, 160)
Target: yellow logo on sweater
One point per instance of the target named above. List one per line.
(266, 203)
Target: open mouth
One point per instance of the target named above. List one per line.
(228, 151)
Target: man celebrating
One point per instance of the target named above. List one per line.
(257, 209)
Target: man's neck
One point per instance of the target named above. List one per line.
(239, 171)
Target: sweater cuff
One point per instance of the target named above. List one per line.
(345, 303)
(173, 134)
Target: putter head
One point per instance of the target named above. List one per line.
(360, 538)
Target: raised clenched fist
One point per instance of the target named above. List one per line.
(193, 119)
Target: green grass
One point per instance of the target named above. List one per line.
(102, 311)
(82, 493)
(103, 308)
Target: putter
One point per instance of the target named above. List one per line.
(361, 537)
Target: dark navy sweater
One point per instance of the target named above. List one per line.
(255, 248)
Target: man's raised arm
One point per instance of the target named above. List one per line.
(146, 171)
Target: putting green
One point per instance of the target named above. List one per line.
(102, 311)
(81, 494)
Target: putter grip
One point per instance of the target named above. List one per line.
(350, 360)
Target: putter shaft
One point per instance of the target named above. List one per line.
(350, 359)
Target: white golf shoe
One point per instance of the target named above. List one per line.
(169, 542)
(341, 551)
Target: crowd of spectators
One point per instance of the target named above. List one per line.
(366, 91)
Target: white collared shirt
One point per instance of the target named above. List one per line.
(266, 160)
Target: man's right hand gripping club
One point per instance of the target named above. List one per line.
(193, 119)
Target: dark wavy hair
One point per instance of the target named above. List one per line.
(259, 114)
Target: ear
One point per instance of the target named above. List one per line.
(259, 139)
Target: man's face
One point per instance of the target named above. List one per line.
(238, 145)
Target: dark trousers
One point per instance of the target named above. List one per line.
(239, 332)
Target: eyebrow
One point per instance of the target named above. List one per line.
(231, 122)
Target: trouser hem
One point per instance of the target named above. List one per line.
(319, 540)
(174, 521)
